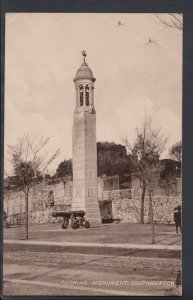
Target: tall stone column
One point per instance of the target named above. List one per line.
(85, 194)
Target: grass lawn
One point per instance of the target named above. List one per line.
(104, 233)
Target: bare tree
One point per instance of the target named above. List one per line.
(153, 182)
(151, 217)
(172, 20)
(29, 163)
(145, 153)
(175, 151)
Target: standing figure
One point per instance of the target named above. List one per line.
(177, 217)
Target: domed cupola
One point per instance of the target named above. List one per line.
(84, 72)
(84, 84)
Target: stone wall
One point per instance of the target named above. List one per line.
(107, 183)
(42, 216)
(126, 206)
(45, 198)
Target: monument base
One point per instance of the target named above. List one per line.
(91, 207)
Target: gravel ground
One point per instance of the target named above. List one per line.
(27, 273)
(130, 263)
(15, 289)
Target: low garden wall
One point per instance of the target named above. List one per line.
(123, 205)
(126, 206)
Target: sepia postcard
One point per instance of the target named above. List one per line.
(92, 189)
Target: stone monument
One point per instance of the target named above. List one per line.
(84, 146)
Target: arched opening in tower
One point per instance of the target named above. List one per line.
(87, 94)
(81, 95)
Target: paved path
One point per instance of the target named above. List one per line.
(34, 273)
(98, 245)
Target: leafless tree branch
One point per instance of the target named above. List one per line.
(29, 163)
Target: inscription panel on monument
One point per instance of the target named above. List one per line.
(90, 173)
(91, 183)
(91, 191)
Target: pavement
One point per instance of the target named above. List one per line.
(94, 245)
(40, 273)
(110, 259)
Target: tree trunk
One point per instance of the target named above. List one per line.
(151, 218)
(142, 204)
(26, 214)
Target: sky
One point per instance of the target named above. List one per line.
(133, 75)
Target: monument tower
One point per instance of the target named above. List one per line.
(84, 146)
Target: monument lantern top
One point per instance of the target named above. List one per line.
(84, 72)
